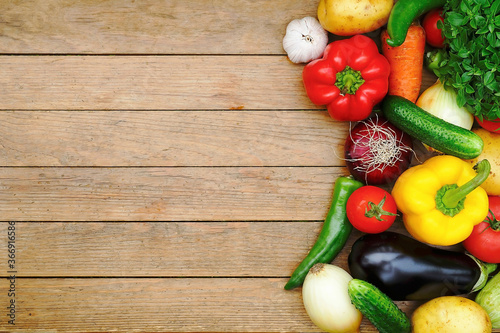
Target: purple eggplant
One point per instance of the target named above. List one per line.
(406, 269)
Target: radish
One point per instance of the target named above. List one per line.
(377, 152)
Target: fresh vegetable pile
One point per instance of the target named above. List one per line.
(449, 197)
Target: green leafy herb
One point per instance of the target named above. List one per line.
(471, 63)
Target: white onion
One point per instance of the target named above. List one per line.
(327, 301)
(442, 103)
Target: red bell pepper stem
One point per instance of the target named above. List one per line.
(349, 81)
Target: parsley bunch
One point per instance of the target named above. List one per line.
(472, 62)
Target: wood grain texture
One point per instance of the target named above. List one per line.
(148, 26)
(167, 194)
(171, 138)
(153, 83)
(160, 305)
(160, 249)
(166, 249)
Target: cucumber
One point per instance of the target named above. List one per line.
(378, 308)
(433, 131)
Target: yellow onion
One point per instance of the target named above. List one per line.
(442, 103)
(326, 299)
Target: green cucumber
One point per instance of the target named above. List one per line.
(378, 308)
(433, 131)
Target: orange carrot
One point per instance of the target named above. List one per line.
(406, 63)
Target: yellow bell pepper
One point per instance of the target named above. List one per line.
(441, 199)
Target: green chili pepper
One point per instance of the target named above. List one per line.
(333, 235)
(403, 14)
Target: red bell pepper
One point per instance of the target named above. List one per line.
(350, 79)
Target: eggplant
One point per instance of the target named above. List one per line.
(406, 269)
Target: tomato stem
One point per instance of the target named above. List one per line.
(377, 211)
(493, 222)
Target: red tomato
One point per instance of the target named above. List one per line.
(371, 209)
(432, 32)
(489, 125)
(484, 241)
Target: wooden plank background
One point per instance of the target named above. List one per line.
(161, 165)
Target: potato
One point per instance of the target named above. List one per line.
(491, 152)
(351, 17)
(451, 314)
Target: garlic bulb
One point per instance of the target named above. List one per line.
(305, 40)
(327, 301)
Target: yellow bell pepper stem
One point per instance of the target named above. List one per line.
(441, 200)
(450, 198)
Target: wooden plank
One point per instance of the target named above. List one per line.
(151, 83)
(158, 305)
(200, 249)
(171, 138)
(166, 194)
(148, 26)
(164, 249)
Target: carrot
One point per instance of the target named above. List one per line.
(406, 63)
